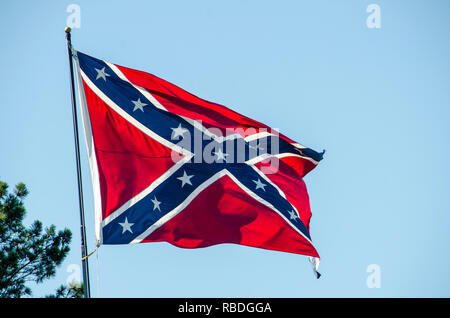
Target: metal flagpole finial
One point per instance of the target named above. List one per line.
(68, 36)
(68, 31)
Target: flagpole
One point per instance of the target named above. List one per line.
(84, 260)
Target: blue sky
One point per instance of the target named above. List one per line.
(378, 100)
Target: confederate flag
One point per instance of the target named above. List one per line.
(169, 166)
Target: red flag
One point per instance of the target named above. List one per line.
(170, 166)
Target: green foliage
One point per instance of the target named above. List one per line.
(26, 254)
(74, 290)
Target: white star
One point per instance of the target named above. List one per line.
(179, 131)
(185, 179)
(259, 185)
(293, 215)
(156, 204)
(138, 104)
(101, 73)
(221, 155)
(126, 226)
